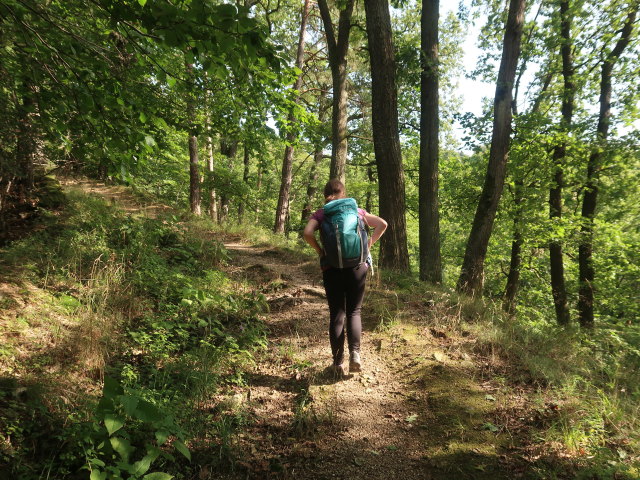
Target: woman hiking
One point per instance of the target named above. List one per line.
(343, 282)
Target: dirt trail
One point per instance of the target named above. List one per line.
(422, 407)
(350, 427)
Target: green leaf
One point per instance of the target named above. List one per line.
(98, 475)
(182, 448)
(161, 436)
(113, 423)
(171, 81)
(157, 476)
(142, 2)
(142, 117)
(149, 140)
(123, 447)
(141, 467)
(147, 412)
(129, 402)
(111, 388)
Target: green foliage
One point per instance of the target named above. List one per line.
(127, 427)
(164, 324)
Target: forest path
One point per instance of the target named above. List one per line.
(312, 425)
(424, 407)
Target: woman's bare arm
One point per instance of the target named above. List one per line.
(378, 224)
(310, 238)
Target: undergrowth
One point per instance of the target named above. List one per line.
(585, 384)
(138, 305)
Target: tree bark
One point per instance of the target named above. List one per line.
(245, 180)
(558, 288)
(282, 210)
(258, 188)
(312, 186)
(368, 204)
(386, 139)
(589, 201)
(228, 148)
(472, 272)
(194, 175)
(213, 201)
(513, 278)
(338, 49)
(430, 260)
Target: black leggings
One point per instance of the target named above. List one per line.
(345, 292)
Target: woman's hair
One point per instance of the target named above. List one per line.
(334, 189)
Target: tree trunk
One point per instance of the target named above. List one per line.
(228, 148)
(589, 202)
(513, 279)
(282, 210)
(386, 140)
(194, 175)
(368, 205)
(258, 188)
(472, 271)
(338, 50)
(213, 201)
(245, 180)
(430, 261)
(312, 186)
(558, 288)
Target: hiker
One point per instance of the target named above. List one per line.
(344, 278)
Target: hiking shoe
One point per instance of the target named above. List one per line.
(354, 362)
(338, 370)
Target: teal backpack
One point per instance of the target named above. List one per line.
(343, 234)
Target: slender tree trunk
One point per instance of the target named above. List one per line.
(245, 180)
(472, 272)
(338, 49)
(589, 202)
(228, 148)
(213, 201)
(558, 288)
(386, 139)
(368, 205)
(513, 279)
(312, 186)
(282, 210)
(430, 261)
(194, 175)
(258, 188)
